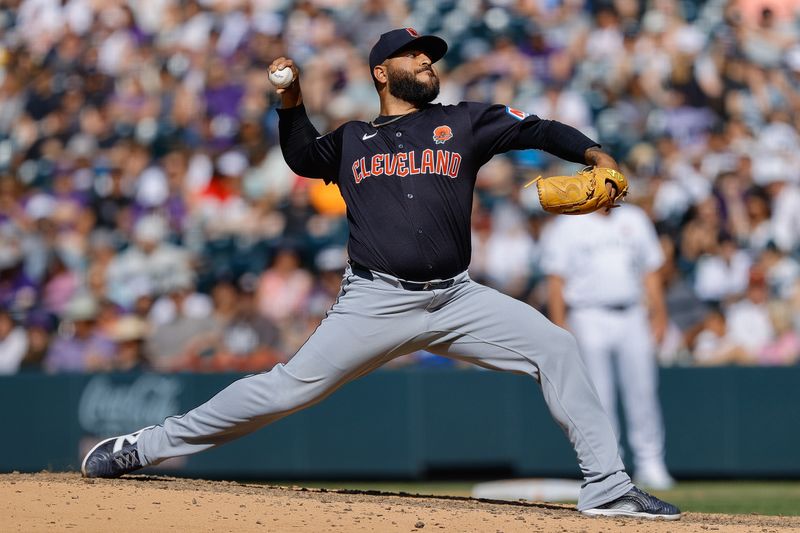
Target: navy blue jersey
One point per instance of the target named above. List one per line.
(408, 180)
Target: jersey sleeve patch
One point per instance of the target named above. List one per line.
(516, 113)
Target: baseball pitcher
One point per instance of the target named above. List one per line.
(407, 178)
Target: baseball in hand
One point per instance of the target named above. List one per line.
(281, 78)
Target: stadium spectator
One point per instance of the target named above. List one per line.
(39, 326)
(129, 333)
(248, 341)
(184, 336)
(784, 347)
(220, 209)
(148, 266)
(284, 287)
(759, 233)
(713, 345)
(781, 271)
(13, 344)
(724, 273)
(79, 345)
(330, 264)
(686, 313)
(58, 286)
(748, 320)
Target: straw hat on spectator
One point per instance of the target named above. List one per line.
(80, 308)
(129, 328)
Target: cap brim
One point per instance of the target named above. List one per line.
(434, 46)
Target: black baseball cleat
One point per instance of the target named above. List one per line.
(113, 457)
(639, 504)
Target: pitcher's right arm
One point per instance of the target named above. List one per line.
(307, 153)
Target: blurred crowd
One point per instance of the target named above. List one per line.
(148, 220)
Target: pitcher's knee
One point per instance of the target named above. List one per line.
(562, 344)
(550, 349)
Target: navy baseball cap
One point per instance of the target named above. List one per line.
(394, 41)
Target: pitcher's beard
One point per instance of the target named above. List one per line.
(405, 86)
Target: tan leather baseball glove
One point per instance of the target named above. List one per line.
(581, 193)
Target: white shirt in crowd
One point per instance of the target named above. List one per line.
(786, 218)
(718, 279)
(602, 258)
(12, 350)
(749, 325)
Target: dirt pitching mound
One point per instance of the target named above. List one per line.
(58, 502)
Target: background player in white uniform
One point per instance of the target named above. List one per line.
(604, 287)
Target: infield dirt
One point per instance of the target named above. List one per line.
(59, 502)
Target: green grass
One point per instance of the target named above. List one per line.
(739, 497)
(727, 497)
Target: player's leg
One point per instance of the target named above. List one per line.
(638, 374)
(357, 336)
(483, 326)
(596, 345)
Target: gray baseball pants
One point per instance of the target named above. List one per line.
(374, 321)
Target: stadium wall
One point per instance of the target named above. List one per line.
(407, 424)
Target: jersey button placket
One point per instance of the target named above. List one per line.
(409, 195)
(399, 135)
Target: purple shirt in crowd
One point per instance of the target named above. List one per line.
(71, 354)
